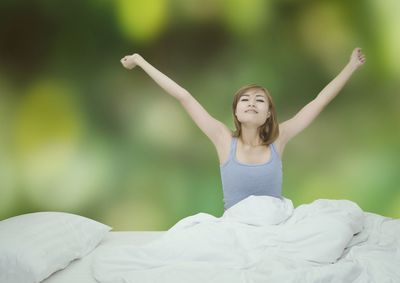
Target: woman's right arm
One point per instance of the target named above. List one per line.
(212, 128)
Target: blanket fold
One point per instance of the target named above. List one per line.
(260, 237)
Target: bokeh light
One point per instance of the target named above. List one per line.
(386, 18)
(142, 20)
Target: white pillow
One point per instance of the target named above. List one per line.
(35, 245)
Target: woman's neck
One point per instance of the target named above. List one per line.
(250, 137)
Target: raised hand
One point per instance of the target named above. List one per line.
(357, 58)
(130, 61)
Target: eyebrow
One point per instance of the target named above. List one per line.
(256, 95)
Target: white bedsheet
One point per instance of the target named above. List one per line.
(264, 239)
(79, 271)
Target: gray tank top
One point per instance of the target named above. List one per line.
(240, 180)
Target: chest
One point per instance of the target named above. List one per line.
(260, 154)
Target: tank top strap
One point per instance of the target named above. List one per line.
(233, 147)
(275, 151)
(273, 147)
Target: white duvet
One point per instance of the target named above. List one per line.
(264, 239)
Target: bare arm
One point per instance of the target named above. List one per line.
(308, 113)
(162, 80)
(211, 127)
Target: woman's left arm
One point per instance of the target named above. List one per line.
(308, 113)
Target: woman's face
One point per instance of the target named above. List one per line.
(252, 108)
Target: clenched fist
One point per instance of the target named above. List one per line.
(130, 61)
(357, 58)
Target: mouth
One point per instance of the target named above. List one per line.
(254, 111)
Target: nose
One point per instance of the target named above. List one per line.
(251, 103)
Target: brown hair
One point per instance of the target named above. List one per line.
(269, 131)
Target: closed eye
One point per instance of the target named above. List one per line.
(246, 99)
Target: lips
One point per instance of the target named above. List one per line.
(251, 110)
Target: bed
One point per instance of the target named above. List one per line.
(261, 239)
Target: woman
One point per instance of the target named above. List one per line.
(250, 158)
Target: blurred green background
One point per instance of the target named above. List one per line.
(81, 134)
